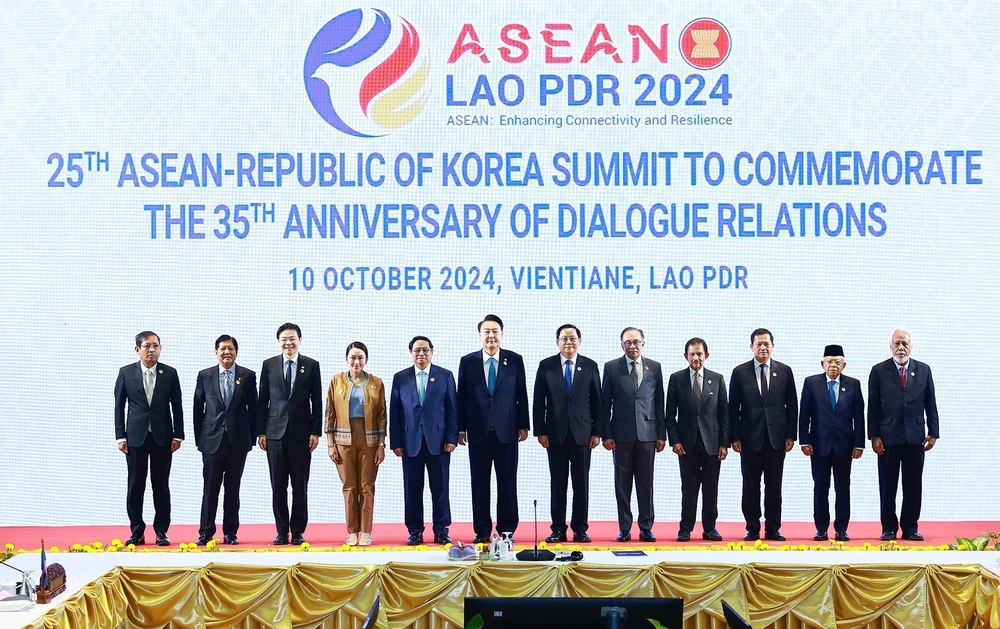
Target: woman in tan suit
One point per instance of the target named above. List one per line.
(355, 435)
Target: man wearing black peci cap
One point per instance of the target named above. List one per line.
(832, 434)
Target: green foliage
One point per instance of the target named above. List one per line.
(476, 622)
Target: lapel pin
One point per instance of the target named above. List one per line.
(843, 389)
(302, 369)
(239, 381)
(432, 379)
(774, 375)
(912, 373)
(709, 381)
(711, 392)
(579, 368)
(340, 391)
(161, 371)
(505, 362)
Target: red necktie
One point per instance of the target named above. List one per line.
(902, 376)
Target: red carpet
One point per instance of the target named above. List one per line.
(603, 533)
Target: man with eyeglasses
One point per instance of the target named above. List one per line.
(832, 434)
(567, 412)
(492, 418)
(423, 430)
(150, 434)
(634, 429)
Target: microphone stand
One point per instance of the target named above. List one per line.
(27, 586)
(536, 554)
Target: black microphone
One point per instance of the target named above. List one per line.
(536, 555)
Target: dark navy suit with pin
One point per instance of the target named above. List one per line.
(491, 422)
(833, 432)
(422, 430)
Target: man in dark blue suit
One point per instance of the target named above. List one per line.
(225, 409)
(289, 423)
(832, 434)
(423, 429)
(568, 419)
(148, 436)
(901, 403)
(493, 418)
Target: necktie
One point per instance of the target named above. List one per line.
(833, 393)
(422, 386)
(763, 380)
(491, 381)
(288, 378)
(635, 376)
(902, 376)
(227, 388)
(568, 375)
(148, 385)
(697, 385)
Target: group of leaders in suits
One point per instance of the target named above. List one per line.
(428, 413)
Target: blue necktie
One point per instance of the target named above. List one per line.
(491, 381)
(568, 375)
(227, 388)
(288, 378)
(422, 387)
(833, 393)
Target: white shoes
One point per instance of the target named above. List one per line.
(365, 539)
(352, 539)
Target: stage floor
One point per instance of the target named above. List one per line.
(254, 536)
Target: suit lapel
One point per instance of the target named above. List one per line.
(755, 379)
(158, 387)
(706, 387)
(893, 370)
(137, 377)
(215, 385)
(626, 377)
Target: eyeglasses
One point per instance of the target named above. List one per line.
(633, 343)
(493, 333)
(421, 350)
(568, 339)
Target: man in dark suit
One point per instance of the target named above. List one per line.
(423, 429)
(568, 414)
(289, 423)
(901, 402)
(698, 429)
(634, 429)
(225, 409)
(493, 417)
(763, 415)
(150, 435)
(832, 434)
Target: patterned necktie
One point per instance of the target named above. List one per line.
(697, 385)
(288, 378)
(902, 376)
(832, 385)
(635, 376)
(422, 387)
(763, 380)
(491, 381)
(149, 385)
(227, 388)
(568, 375)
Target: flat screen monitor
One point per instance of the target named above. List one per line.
(372, 616)
(733, 619)
(578, 613)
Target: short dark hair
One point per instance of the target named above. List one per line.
(224, 338)
(629, 329)
(288, 326)
(761, 332)
(568, 325)
(145, 334)
(418, 338)
(490, 317)
(358, 345)
(696, 341)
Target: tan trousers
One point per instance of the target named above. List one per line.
(357, 471)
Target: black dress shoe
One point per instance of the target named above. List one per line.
(624, 536)
(820, 536)
(913, 537)
(280, 540)
(712, 535)
(298, 540)
(203, 540)
(684, 536)
(647, 536)
(136, 541)
(887, 536)
(842, 536)
(581, 538)
(415, 540)
(555, 538)
(162, 539)
(481, 539)
(442, 538)
(751, 536)
(774, 536)
(230, 539)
